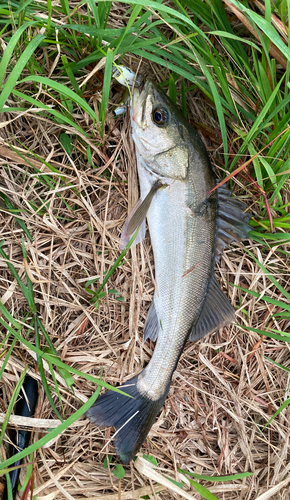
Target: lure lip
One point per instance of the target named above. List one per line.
(127, 77)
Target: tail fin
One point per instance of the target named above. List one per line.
(133, 418)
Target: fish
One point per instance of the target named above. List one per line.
(20, 439)
(190, 223)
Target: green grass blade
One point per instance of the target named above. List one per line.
(168, 10)
(214, 479)
(57, 114)
(11, 404)
(18, 68)
(8, 316)
(63, 372)
(172, 89)
(279, 237)
(95, 13)
(42, 372)
(53, 352)
(269, 275)
(106, 34)
(278, 364)
(281, 338)
(10, 207)
(202, 490)
(65, 8)
(225, 34)
(49, 8)
(29, 471)
(30, 293)
(117, 262)
(2, 369)
(63, 90)
(56, 386)
(12, 269)
(54, 433)
(10, 48)
(281, 408)
(70, 74)
(106, 89)
(257, 125)
(7, 357)
(277, 303)
(9, 486)
(56, 361)
(267, 28)
(135, 13)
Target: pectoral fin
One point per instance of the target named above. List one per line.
(137, 218)
(217, 312)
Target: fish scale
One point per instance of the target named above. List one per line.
(189, 227)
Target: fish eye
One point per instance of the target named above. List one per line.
(160, 116)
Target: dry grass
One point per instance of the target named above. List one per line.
(223, 391)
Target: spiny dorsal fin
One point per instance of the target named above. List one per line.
(137, 217)
(217, 312)
(232, 221)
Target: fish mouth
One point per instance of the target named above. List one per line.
(139, 104)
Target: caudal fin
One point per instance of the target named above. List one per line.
(132, 417)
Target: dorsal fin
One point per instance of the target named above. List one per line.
(232, 221)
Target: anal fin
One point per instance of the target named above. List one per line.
(217, 312)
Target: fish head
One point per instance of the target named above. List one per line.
(159, 132)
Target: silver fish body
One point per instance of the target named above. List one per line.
(182, 224)
(186, 223)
